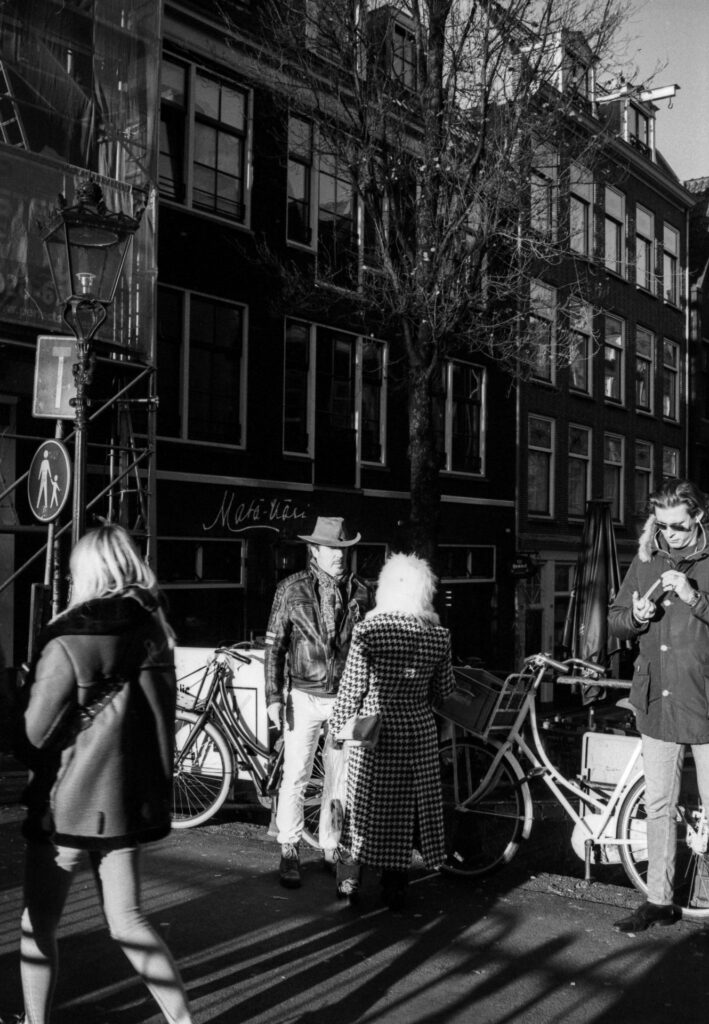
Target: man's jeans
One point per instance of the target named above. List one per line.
(305, 715)
(663, 775)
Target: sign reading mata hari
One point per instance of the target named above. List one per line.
(237, 514)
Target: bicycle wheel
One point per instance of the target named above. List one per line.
(692, 863)
(483, 836)
(202, 772)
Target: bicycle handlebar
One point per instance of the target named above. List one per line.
(233, 653)
(595, 672)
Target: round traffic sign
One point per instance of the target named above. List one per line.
(49, 480)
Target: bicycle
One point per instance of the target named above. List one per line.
(489, 803)
(211, 738)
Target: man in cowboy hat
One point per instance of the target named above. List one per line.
(307, 641)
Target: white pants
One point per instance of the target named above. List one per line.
(305, 715)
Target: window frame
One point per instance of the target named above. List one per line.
(671, 372)
(671, 461)
(309, 404)
(671, 266)
(543, 193)
(646, 472)
(542, 309)
(619, 471)
(183, 364)
(618, 263)
(587, 459)
(581, 326)
(362, 342)
(550, 453)
(470, 549)
(621, 348)
(581, 193)
(446, 414)
(648, 240)
(650, 362)
(311, 176)
(190, 119)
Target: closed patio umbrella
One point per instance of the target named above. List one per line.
(596, 583)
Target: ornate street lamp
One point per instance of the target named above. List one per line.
(86, 246)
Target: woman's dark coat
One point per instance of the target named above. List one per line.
(403, 668)
(670, 688)
(111, 785)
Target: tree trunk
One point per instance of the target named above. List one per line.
(424, 465)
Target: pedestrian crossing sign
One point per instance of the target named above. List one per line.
(49, 480)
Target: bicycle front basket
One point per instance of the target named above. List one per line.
(473, 703)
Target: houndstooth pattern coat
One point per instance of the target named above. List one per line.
(402, 667)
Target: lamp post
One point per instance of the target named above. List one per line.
(86, 246)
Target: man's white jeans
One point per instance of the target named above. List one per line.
(305, 715)
(663, 775)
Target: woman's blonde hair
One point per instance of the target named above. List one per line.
(105, 562)
(406, 585)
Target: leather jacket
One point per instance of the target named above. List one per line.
(298, 649)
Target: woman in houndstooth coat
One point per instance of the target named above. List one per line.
(399, 663)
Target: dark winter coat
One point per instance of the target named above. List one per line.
(109, 785)
(670, 688)
(403, 668)
(298, 647)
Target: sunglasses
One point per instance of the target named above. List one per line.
(676, 527)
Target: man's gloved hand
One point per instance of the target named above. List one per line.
(275, 714)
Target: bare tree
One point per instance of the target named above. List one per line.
(456, 123)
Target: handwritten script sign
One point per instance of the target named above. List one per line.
(237, 516)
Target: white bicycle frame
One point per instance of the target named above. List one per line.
(605, 805)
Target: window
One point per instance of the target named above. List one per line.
(541, 331)
(613, 461)
(580, 210)
(466, 563)
(459, 412)
(200, 343)
(368, 561)
(300, 162)
(203, 141)
(372, 401)
(644, 248)
(297, 429)
(615, 230)
(404, 57)
(638, 128)
(337, 255)
(644, 369)
(215, 385)
(613, 358)
(540, 466)
(643, 475)
(579, 467)
(580, 347)
(670, 380)
(543, 192)
(670, 461)
(670, 264)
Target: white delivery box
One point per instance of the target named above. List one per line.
(247, 686)
(604, 757)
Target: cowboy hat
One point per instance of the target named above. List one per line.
(331, 532)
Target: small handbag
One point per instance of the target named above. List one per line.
(361, 730)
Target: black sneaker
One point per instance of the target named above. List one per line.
(646, 915)
(289, 868)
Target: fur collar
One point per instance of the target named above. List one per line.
(648, 541)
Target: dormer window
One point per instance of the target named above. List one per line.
(639, 129)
